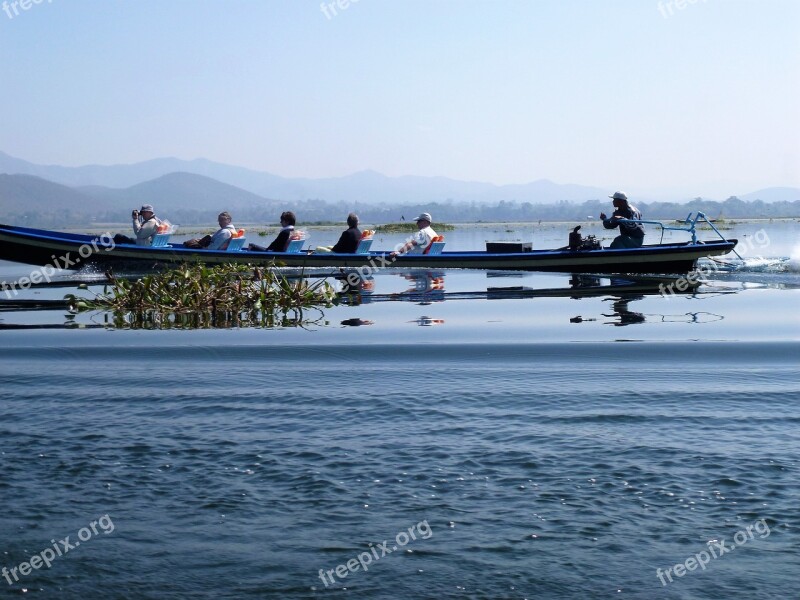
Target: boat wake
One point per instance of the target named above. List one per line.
(757, 264)
(773, 272)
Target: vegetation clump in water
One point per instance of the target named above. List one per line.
(410, 227)
(194, 295)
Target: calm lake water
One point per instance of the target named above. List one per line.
(448, 434)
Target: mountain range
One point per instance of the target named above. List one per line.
(196, 190)
(362, 187)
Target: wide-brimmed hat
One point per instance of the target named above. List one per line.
(147, 208)
(424, 217)
(620, 196)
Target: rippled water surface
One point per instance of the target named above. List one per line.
(507, 435)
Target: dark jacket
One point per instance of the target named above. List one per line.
(279, 243)
(348, 241)
(635, 230)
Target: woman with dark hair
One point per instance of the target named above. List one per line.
(280, 243)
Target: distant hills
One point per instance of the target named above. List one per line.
(773, 194)
(193, 192)
(183, 197)
(362, 187)
(176, 191)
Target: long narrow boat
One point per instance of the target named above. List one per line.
(57, 250)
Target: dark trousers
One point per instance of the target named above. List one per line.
(123, 239)
(627, 241)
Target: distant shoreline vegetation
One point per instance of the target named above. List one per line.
(319, 213)
(409, 227)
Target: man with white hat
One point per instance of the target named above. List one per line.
(420, 240)
(145, 226)
(631, 235)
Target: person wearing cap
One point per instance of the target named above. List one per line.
(631, 235)
(145, 226)
(420, 240)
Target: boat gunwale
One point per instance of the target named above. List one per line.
(672, 257)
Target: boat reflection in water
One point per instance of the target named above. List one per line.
(427, 321)
(355, 288)
(423, 287)
(426, 287)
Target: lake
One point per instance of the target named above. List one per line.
(439, 434)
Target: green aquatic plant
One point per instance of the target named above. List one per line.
(410, 227)
(196, 295)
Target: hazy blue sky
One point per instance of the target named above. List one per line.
(697, 98)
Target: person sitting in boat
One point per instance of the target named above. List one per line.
(221, 237)
(631, 235)
(280, 243)
(348, 241)
(420, 240)
(145, 226)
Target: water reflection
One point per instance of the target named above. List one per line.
(426, 287)
(355, 288)
(427, 321)
(421, 286)
(356, 322)
(622, 313)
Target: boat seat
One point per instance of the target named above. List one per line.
(295, 246)
(436, 247)
(160, 240)
(364, 246)
(236, 244)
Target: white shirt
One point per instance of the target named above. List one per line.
(422, 239)
(221, 236)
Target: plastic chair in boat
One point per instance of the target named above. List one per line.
(436, 246)
(160, 240)
(364, 246)
(236, 244)
(295, 246)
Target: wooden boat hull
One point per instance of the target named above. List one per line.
(72, 251)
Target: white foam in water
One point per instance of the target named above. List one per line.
(793, 264)
(759, 263)
(89, 272)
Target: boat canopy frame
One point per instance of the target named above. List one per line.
(691, 227)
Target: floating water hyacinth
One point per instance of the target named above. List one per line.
(409, 227)
(195, 295)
